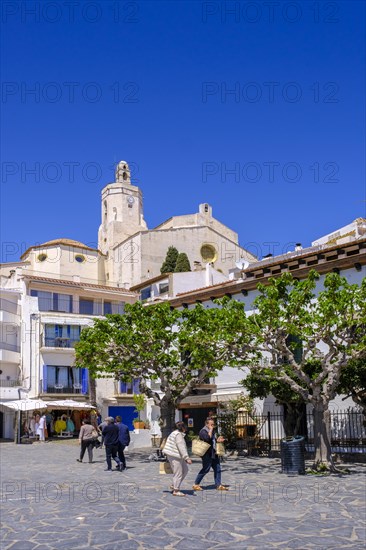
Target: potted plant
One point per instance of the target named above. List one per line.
(139, 400)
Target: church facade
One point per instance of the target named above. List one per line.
(134, 254)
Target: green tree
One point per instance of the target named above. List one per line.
(353, 382)
(170, 261)
(182, 264)
(263, 383)
(177, 349)
(331, 327)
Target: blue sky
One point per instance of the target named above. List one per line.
(256, 108)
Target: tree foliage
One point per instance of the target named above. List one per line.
(177, 349)
(170, 261)
(330, 326)
(353, 382)
(182, 264)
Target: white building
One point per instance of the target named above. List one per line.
(61, 286)
(46, 300)
(347, 258)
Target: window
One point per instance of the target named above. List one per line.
(113, 307)
(80, 258)
(130, 387)
(52, 301)
(146, 293)
(163, 288)
(61, 336)
(107, 308)
(64, 379)
(208, 253)
(86, 306)
(41, 257)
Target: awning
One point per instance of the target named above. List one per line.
(25, 404)
(68, 404)
(225, 396)
(40, 404)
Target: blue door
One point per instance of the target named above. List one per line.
(126, 413)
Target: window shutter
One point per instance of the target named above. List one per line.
(135, 386)
(44, 387)
(84, 381)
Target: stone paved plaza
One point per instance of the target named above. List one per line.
(50, 501)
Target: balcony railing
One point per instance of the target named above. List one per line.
(61, 388)
(9, 347)
(10, 383)
(10, 307)
(59, 342)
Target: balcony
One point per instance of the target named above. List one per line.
(9, 388)
(9, 353)
(61, 389)
(59, 342)
(8, 306)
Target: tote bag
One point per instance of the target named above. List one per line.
(199, 447)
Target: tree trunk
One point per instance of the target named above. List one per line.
(293, 416)
(323, 453)
(167, 417)
(92, 391)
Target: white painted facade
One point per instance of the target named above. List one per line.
(61, 286)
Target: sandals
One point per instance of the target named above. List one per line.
(178, 494)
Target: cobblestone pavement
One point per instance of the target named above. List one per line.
(50, 501)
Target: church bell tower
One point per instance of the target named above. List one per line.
(122, 210)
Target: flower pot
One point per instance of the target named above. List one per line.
(139, 425)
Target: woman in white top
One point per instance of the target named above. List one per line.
(41, 428)
(176, 450)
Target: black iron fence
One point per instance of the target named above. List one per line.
(262, 434)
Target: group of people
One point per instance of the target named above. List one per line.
(176, 451)
(115, 438)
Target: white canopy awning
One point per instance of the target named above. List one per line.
(68, 404)
(25, 404)
(40, 404)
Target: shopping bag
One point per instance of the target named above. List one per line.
(165, 468)
(220, 449)
(199, 447)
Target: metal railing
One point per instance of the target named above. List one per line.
(262, 434)
(10, 383)
(61, 388)
(59, 342)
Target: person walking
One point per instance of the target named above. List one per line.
(176, 450)
(111, 437)
(86, 440)
(123, 441)
(41, 428)
(210, 458)
(101, 427)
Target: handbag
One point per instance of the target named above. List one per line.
(199, 447)
(220, 449)
(94, 434)
(165, 468)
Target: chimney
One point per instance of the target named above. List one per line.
(298, 246)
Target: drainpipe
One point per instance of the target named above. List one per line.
(33, 317)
